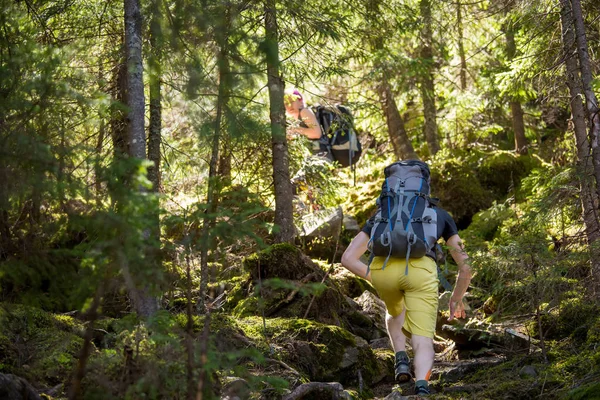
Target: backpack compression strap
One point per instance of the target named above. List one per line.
(370, 244)
(412, 239)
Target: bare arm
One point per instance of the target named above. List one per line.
(351, 257)
(310, 119)
(457, 250)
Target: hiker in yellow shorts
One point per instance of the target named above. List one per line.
(409, 288)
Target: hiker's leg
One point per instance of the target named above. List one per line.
(394, 328)
(424, 355)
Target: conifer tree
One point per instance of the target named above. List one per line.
(281, 172)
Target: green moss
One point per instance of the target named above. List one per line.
(591, 391)
(573, 318)
(501, 170)
(283, 261)
(455, 183)
(56, 356)
(350, 284)
(247, 307)
(237, 290)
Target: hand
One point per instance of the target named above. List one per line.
(457, 309)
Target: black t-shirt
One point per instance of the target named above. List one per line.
(446, 227)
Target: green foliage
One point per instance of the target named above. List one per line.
(457, 186)
(502, 171)
(38, 345)
(573, 318)
(486, 225)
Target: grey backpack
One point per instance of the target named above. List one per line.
(405, 225)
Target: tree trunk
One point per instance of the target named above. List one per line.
(225, 161)
(135, 82)
(153, 252)
(144, 304)
(515, 105)
(403, 149)
(154, 131)
(118, 129)
(518, 127)
(427, 83)
(588, 196)
(461, 47)
(591, 102)
(281, 171)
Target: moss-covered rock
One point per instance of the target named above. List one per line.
(39, 346)
(350, 284)
(455, 183)
(501, 170)
(322, 352)
(283, 261)
(575, 318)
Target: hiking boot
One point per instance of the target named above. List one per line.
(402, 367)
(422, 390)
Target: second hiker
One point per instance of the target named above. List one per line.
(305, 122)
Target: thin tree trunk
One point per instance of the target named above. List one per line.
(118, 129)
(515, 105)
(225, 161)
(153, 250)
(403, 148)
(591, 101)
(518, 127)
(91, 315)
(588, 196)
(144, 304)
(461, 47)
(427, 82)
(135, 82)
(155, 74)
(100, 141)
(281, 171)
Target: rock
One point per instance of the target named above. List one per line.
(516, 341)
(350, 284)
(528, 371)
(385, 362)
(374, 307)
(457, 370)
(322, 223)
(472, 388)
(381, 343)
(283, 261)
(235, 389)
(15, 388)
(505, 341)
(350, 224)
(350, 357)
(395, 395)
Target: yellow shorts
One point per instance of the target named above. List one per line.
(417, 292)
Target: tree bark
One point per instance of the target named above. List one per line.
(403, 148)
(135, 82)
(281, 171)
(584, 165)
(118, 129)
(427, 82)
(155, 128)
(225, 161)
(515, 105)
(518, 127)
(144, 304)
(591, 101)
(461, 47)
